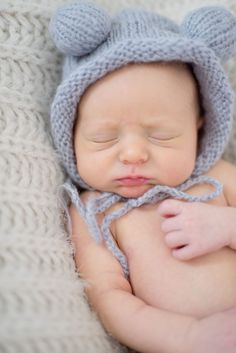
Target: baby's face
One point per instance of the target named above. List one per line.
(137, 127)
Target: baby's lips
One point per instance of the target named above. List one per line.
(133, 180)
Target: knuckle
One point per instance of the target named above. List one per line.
(187, 222)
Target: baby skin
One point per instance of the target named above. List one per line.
(138, 127)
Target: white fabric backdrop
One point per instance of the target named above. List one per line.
(42, 306)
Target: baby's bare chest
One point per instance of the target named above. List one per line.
(198, 287)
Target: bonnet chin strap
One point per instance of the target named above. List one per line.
(156, 194)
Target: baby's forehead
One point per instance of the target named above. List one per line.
(172, 69)
(140, 89)
(177, 76)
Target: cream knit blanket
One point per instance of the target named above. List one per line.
(42, 306)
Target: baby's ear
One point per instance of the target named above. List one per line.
(215, 26)
(79, 28)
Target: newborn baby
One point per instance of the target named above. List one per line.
(137, 123)
(148, 136)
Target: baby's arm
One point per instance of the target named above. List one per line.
(194, 229)
(130, 320)
(124, 316)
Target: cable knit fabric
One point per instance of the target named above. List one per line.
(42, 305)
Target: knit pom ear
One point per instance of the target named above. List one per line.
(79, 28)
(215, 26)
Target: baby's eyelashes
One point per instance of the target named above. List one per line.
(104, 140)
(103, 137)
(115, 139)
(162, 138)
(109, 138)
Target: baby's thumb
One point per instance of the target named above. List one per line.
(170, 208)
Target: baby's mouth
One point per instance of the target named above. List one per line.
(133, 180)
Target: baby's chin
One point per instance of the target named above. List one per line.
(133, 192)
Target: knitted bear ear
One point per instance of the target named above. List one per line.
(77, 29)
(215, 26)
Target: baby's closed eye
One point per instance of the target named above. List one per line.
(163, 138)
(104, 139)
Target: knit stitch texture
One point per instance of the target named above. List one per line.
(42, 305)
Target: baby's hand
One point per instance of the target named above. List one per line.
(214, 334)
(192, 229)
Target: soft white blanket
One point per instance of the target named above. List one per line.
(42, 306)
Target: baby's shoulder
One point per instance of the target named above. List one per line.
(225, 172)
(75, 216)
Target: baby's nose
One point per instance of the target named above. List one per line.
(134, 152)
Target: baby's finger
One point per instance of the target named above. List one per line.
(171, 224)
(175, 240)
(170, 207)
(185, 253)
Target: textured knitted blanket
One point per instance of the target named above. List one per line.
(42, 305)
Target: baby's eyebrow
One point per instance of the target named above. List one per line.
(147, 122)
(101, 127)
(162, 122)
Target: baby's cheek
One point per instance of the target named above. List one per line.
(93, 170)
(181, 168)
(85, 167)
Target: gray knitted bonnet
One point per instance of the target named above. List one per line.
(95, 44)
